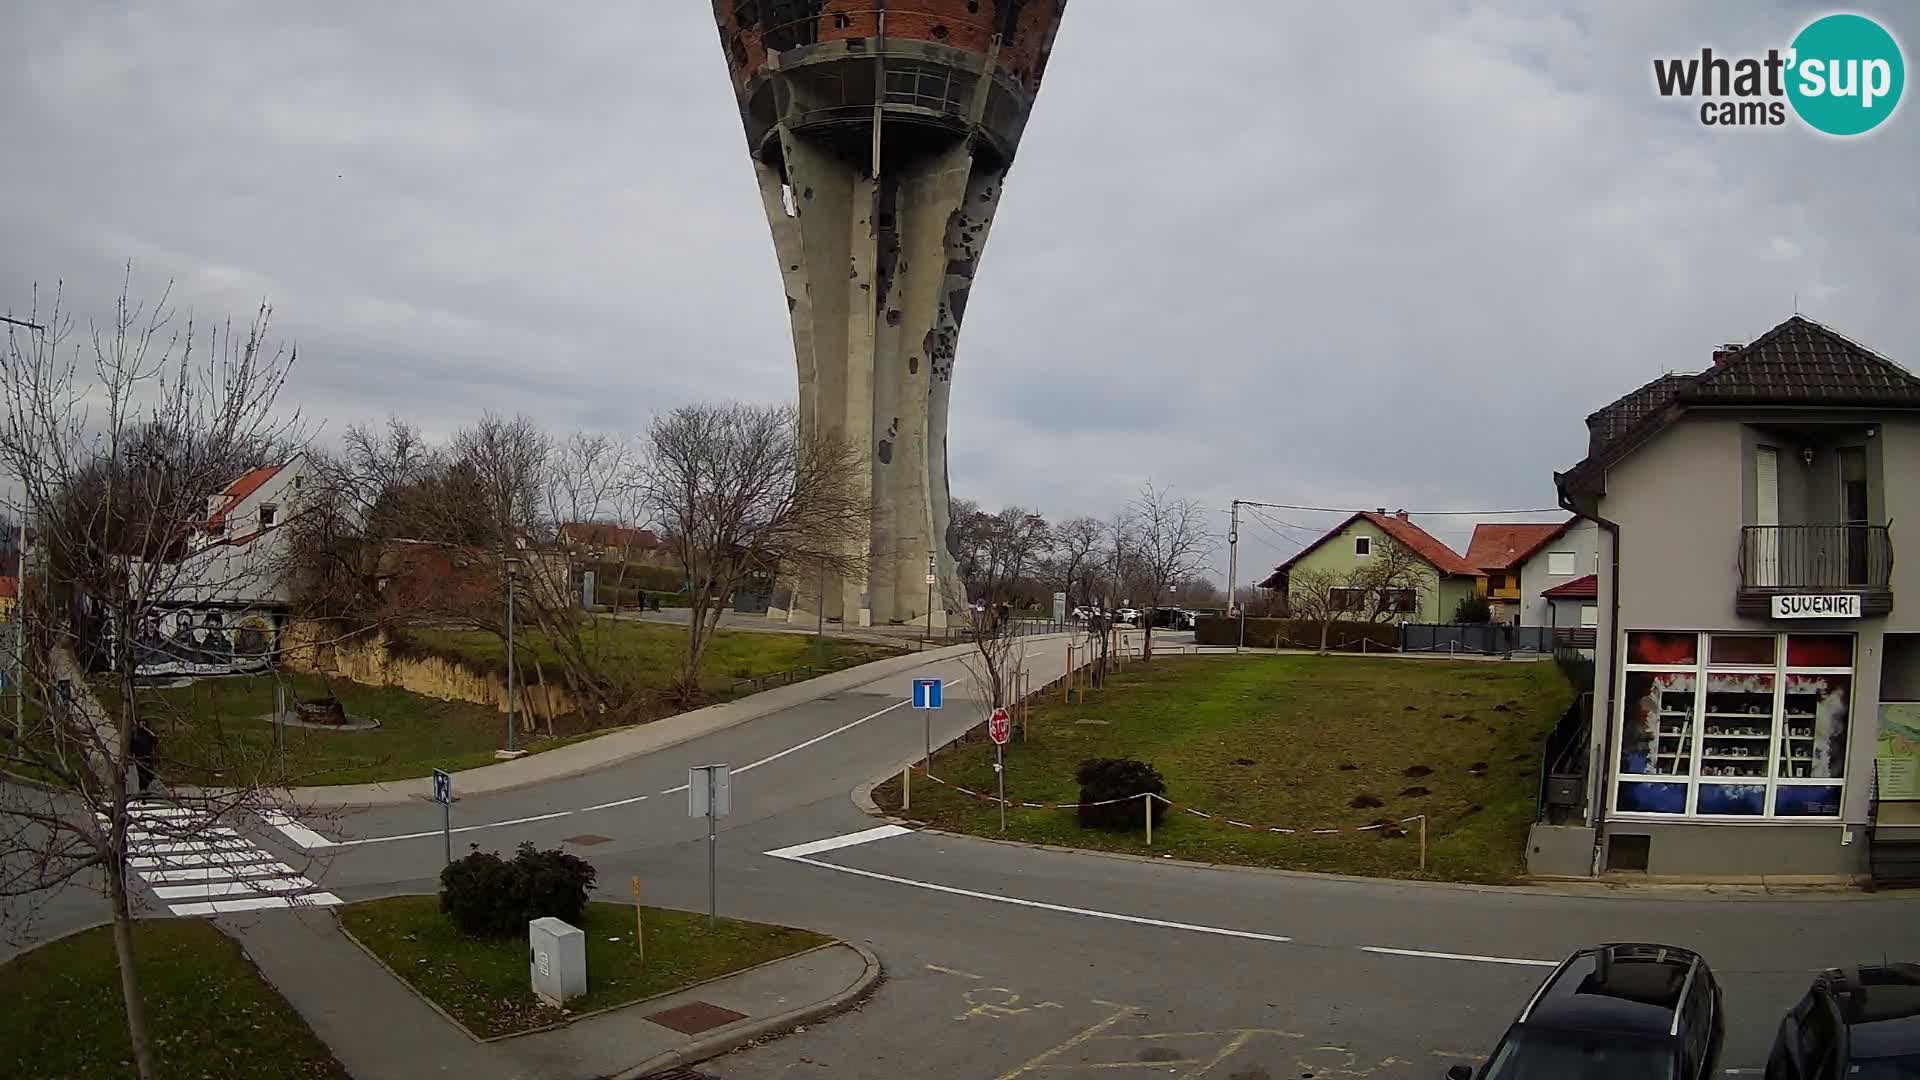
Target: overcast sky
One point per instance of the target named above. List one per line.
(1301, 253)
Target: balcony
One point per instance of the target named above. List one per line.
(1780, 560)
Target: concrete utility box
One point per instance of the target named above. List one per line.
(556, 960)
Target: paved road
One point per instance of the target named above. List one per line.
(1008, 961)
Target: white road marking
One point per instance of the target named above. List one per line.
(183, 848)
(217, 873)
(675, 790)
(820, 738)
(295, 831)
(161, 811)
(614, 803)
(834, 843)
(183, 834)
(1521, 961)
(257, 903)
(199, 858)
(461, 829)
(1140, 920)
(207, 890)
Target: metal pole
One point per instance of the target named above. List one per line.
(1146, 800)
(930, 573)
(446, 828)
(20, 621)
(929, 715)
(820, 621)
(906, 787)
(510, 705)
(712, 834)
(1000, 770)
(1233, 574)
(1423, 841)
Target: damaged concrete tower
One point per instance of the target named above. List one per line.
(881, 134)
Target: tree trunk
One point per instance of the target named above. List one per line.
(123, 938)
(1325, 627)
(1146, 643)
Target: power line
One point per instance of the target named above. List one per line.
(1423, 513)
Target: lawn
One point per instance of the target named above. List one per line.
(213, 731)
(1298, 742)
(208, 1011)
(483, 983)
(646, 655)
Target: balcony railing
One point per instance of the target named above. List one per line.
(1804, 558)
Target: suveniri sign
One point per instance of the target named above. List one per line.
(1816, 607)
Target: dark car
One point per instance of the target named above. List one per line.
(1859, 1022)
(1651, 1012)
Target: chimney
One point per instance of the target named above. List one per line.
(1401, 514)
(1725, 352)
(1381, 510)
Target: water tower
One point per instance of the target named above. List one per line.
(882, 134)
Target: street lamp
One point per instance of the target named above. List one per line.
(513, 568)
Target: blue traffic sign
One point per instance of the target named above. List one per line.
(926, 693)
(442, 787)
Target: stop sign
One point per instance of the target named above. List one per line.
(998, 728)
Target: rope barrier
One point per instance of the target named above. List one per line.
(981, 796)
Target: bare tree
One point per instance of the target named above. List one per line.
(1392, 582)
(740, 491)
(1169, 538)
(1076, 553)
(117, 439)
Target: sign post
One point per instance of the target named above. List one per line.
(932, 576)
(710, 795)
(999, 730)
(926, 697)
(443, 794)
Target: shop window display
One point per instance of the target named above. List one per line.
(1734, 725)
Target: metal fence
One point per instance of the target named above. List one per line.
(1484, 639)
(1816, 557)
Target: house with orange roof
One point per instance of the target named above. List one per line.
(1443, 580)
(1530, 566)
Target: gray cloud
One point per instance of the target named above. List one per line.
(1288, 252)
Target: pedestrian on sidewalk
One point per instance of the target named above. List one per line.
(145, 742)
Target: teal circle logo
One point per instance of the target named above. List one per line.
(1846, 74)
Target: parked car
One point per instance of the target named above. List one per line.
(1861, 1022)
(1620, 1010)
(1128, 615)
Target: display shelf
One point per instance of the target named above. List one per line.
(1718, 735)
(1748, 716)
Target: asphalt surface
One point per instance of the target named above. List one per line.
(1006, 961)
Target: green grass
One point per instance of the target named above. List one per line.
(213, 731)
(1263, 740)
(483, 983)
(643, 655)
(209, 1013)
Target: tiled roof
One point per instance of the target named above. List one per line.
(1417, 540)
(1498, 546)
(1798, 362)
(238, 491)
(1580, 588)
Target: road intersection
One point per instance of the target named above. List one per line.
(1010, 961)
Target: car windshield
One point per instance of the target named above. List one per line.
(1578, 1055)
(1905, 1067)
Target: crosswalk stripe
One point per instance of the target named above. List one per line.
(254, 887)
(215, 873)
(199, 858)
(180, 849)
(181, 834)
(256, 903)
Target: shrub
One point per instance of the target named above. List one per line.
(1472, 609)
(1117, 778)
(487, 896)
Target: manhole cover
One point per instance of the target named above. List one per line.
(586, 839)
(696, 1017)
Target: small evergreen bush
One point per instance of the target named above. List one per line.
(487, 896)
(1117, 778)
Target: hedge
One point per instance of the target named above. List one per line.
(1296, 633)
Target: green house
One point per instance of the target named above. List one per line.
(1382, 566)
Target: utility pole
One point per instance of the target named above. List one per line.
(820, 621)
(931, 573)
(513, 565)
(1233, 574)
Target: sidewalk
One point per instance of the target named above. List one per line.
(622, 744)
(381, 1030)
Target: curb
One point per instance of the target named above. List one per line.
(740, 1034)
(1565, 888)
(657, 735)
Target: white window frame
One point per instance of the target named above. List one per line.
(1589, 615)
(269, 515)
(1362, 547)
(1702, 668)
(1572, 563)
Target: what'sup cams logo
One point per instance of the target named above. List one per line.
(1842, 75)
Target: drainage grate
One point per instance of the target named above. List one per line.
(695, 1017)
(586, 839)
(679, 1074)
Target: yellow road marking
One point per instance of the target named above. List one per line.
(1121, 1012)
